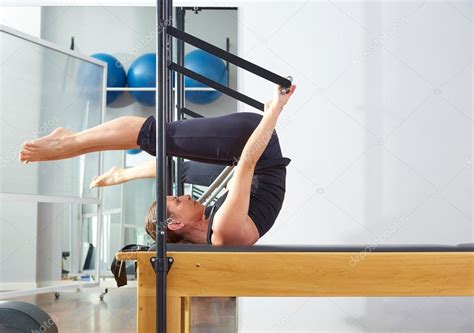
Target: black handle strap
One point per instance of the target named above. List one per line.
(213, 84)
(223, 54)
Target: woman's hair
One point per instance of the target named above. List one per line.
(150, 227)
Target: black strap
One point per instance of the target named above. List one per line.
(118, 268)
(213, 84)
(190, 113)
(223, 54)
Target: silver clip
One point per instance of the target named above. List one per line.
(284, 91)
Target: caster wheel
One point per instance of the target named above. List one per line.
(101, 296)
(56, 295)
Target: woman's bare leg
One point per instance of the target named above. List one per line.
(60, 133)
(75, 154)
(120, 133)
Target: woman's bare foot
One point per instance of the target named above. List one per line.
(111, 177)
(47, 147)
(58, 133)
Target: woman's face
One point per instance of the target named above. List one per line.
(184, 209)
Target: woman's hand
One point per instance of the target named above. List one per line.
(279, 100)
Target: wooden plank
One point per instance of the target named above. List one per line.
(122, 256)
(299, 274)
(177, 310)
(186, 302)
(321, 274)
(173, 314)
(146, 294)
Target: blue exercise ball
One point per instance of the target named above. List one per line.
(209, 66)
(142, 73)
(116, 76)
(134, 151)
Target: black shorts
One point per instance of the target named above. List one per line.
(220, 140)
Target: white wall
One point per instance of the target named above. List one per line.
(379, 132)
(26, 19)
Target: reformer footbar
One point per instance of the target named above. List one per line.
(164, 69)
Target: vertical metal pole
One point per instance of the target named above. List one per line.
(122, 204)
(180, 97)
(227, 48)
(100, 213)
(162, 107)
(170, 109)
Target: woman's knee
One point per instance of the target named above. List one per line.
(248, 123)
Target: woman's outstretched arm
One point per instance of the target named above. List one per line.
(118, 175)
(232, 225)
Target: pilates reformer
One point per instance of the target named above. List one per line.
(297, 271)
(168, 277)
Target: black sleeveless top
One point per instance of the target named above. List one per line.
(266, 196)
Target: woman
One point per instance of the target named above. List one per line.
(254, 195)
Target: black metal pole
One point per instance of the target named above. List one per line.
(162, 107)
(170, 113)
(227, 48)
(180, 94)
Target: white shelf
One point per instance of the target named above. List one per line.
(153, 89)
(49, 198)
(132, 226)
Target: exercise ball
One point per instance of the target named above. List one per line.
(22, 317)
(116, 76)
(134, 151)
(142, 73)
(209, 66)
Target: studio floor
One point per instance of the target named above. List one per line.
(82, 311)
